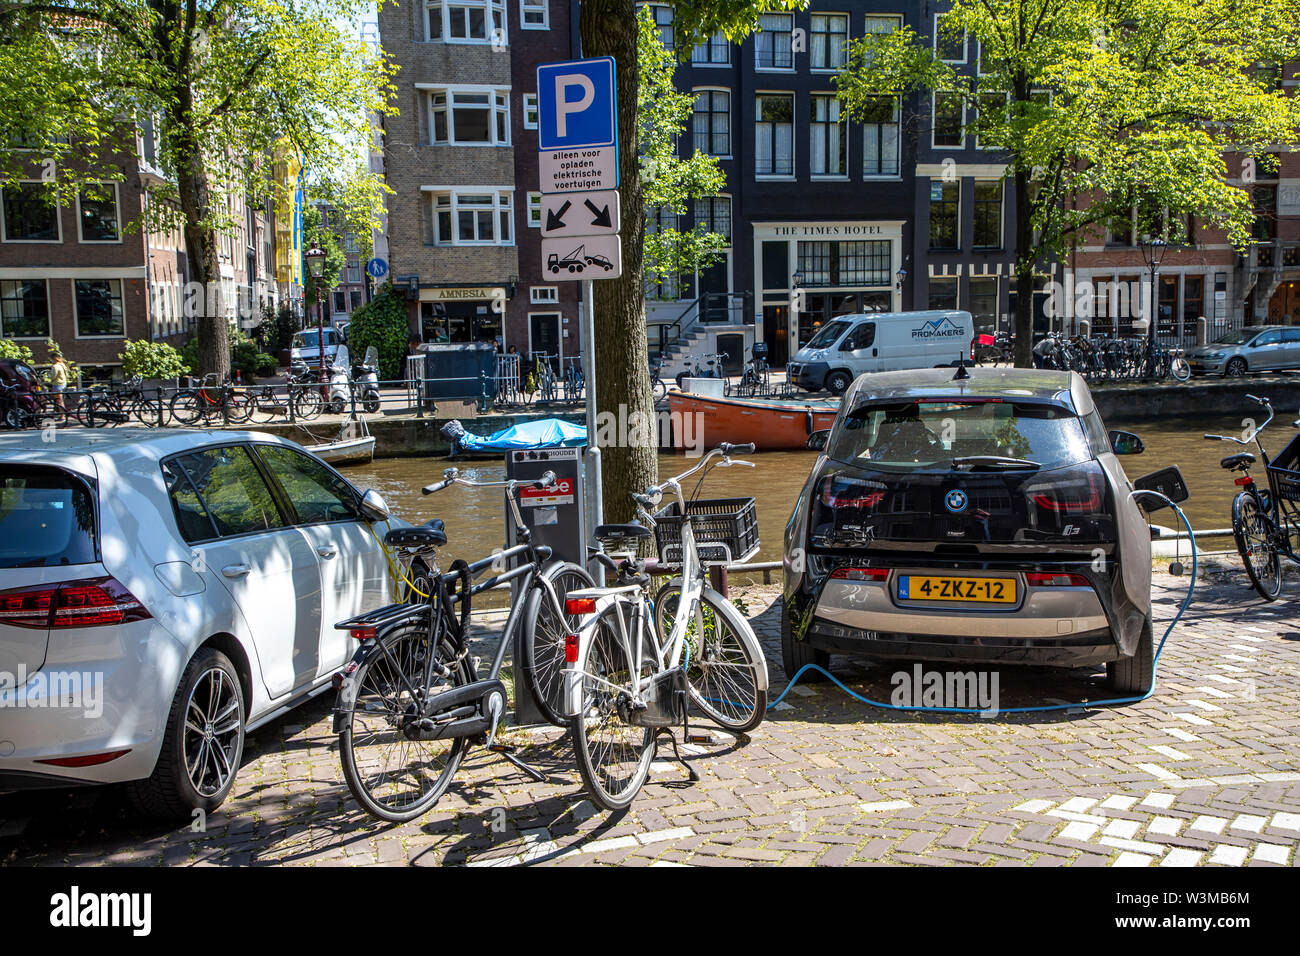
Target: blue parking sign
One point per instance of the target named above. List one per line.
(576, 104)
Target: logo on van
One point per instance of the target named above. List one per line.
(944, 328)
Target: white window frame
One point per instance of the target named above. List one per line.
(794, 140)
(731, 126)
(898, 126)
(117, 207)
(530, 109)
(4, 226)
(503, 202)
(965, 42)
(671, 22)
(498, 103)
(843, 123)
(121, 290)
(527, 6)
(559, 330)
(934, 125)
(1002, 214)
(848, 35)
(487, 6)
(49, 315)
(534, 206)
(707, 45)
(758, 33)
(544, 294)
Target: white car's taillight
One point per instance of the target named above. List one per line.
(89, 603)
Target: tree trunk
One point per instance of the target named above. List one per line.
(609, 28)
(1025, 257)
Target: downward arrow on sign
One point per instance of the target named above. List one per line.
(555, 217)
(601, 215)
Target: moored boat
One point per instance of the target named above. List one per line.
(771, 424)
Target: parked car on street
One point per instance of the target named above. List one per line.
(1260, 348)
(971, 517)
(305, 347)
(849, 345)
(163, 595)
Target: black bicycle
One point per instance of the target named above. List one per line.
(1264, 521)
(411, 701)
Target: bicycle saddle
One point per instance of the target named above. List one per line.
(622, 531)
(430, 534)
(1240, 460)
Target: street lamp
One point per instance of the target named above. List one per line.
(901, 274)
(1153, 253)
(315, 257)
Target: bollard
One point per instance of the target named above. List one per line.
(1202, 330)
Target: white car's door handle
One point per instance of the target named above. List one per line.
(235, 570)
(327, 551)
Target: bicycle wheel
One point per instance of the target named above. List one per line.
(544, 631)
(188, 407)
(49, 413)
(722, 670)
(613, 756)
(1179, 369)
(660, 389)
(1256, 538)
(237, 407)
(392, 777)
(308, 403)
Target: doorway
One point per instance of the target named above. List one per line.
(776, 333)
(544, 336)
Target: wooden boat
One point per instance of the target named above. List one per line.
(772, 424)
(355, 445)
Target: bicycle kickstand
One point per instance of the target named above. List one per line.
(505, 750)
(686, 735)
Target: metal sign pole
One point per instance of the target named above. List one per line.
(595, 491)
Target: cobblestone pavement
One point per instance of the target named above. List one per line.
(1207, 772)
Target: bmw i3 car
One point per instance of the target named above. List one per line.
(981, 516)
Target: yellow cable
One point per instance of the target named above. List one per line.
(394, 567)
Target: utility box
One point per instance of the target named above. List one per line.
(459, 371)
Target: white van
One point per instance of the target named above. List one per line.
(849, 345)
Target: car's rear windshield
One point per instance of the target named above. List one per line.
(47, 518)
(928, 435)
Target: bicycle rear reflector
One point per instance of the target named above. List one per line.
(577, 606)
(570, 648)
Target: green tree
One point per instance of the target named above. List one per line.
(226, 85)
(152, 360)
(1103, 106)
(314, 233)
(611, 28)
(382, 323)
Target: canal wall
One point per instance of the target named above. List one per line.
(1205, 397)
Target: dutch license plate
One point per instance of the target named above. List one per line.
(916, 587)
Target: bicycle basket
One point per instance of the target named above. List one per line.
(726, 530)
(1285, 471)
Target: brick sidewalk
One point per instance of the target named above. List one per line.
(1206, 772)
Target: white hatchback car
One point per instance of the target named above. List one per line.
(162, 594)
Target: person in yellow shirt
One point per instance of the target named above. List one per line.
(58, 378)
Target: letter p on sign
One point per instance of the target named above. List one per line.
(576, 104)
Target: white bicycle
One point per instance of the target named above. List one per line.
(636, 665)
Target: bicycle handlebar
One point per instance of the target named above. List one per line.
(452, 477)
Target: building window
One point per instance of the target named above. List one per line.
(944, 205)
(828, 41)
(712, 122)
(948, 117)
(1120, 232)
(357, 299)
(949, 42)
(988, 215)
(543, 294)
(530, 111)
(665, 285)
(30, 213)
(713, 213)
(880, 137)
(534, 15)
(24, 309)
(465, 117)
(774, 43)
(465, 21)
(715, 51)
(829, 145)
(535, 210)
(99, 308)
(943, 292)
(864, 263)
(774, 134)
(990, 120)
(97, 213)
(354, 271)
(983, 305)
(1193, 302)
(1265, 202)
(664, 21)
(470, 218)
(340, 301)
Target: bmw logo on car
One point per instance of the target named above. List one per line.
(955, 501)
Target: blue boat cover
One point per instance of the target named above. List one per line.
(546, 433)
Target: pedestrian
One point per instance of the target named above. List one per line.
(58, 378)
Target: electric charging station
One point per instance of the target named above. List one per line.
(556, 518)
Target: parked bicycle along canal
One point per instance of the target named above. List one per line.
(475, 523)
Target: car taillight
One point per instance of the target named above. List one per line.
(1077, 494)
(576, 606)
(839, 492)
(78, 604)
(89, 760)
(861, 574)
(1041, 579)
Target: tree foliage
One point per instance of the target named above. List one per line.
(1103, 106)
(381, 322)
(152, 360)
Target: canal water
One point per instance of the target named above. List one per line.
(475, 522)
